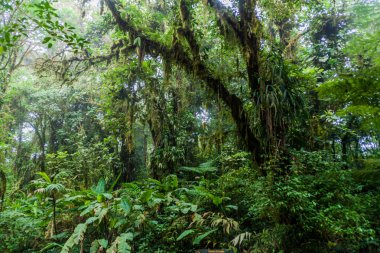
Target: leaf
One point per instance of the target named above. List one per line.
(46, 40)
(198, 240)
(87, 210)
(51, 245)
(120, 244)
(103, 243)
(7, 37)
(202, 169)
(238, 240)
(193, 208)
(44, 176)
(184, 234)
(107, 195)
(91, 220)
(124, 247)
(216, 200)
(100, 187)
(146, 196)
(232, 207)
(94, 246)
(97, 244)
(137, 42)
(1, 50)
(55, 188)
(125, 205)
(170, 182)
(74, 239)
(72, 198)
(102, 214)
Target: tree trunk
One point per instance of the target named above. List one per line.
(54, 216)
(126, 157)
(3, 188)
(345, 143)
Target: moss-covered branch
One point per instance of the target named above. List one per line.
(178, 55)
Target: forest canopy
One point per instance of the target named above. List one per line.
(175, 126)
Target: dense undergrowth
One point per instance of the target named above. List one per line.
(123, 125)
(314, 206)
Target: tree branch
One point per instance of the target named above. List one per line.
(224, 15)
(178, 55)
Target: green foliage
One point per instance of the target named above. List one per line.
(202, 169)
(199, 238)
(316, 204)
(243, 125)
(20, 223)
(42, 15)
(75, 238)
(120, 244)
(184, 234)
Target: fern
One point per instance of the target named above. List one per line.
(202, 169)
(75, 238)
(98, 244)
(103, 212)
(238, 240)
(120, 244)
(228, 224)
(78, 235)
(44, 176)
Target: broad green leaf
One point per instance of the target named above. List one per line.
(101, 186)
(146, 196)
(198, 240)
(46, 40)
(184, 234)
(44, 176)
